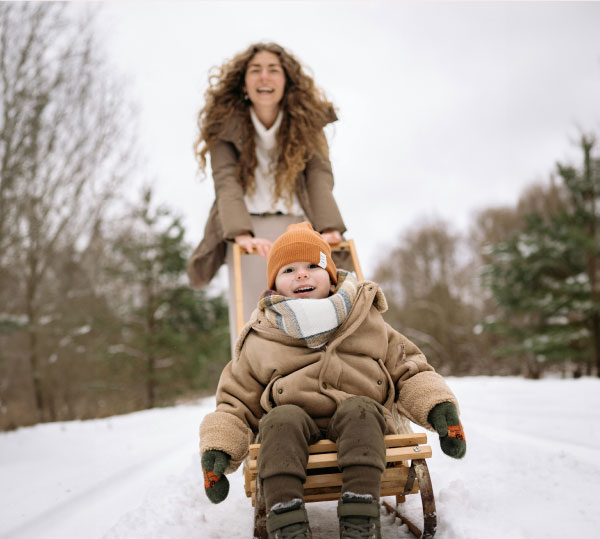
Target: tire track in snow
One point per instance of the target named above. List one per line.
(121, 491)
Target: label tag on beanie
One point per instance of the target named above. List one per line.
(323, 261)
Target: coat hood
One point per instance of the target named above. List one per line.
(369, 292)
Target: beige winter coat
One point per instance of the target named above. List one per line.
(366, 356)
(229, 216)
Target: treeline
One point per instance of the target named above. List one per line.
(96, 316)
(519, 294)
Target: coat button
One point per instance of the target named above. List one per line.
(280, 391)
(379, 382)
(324, 385)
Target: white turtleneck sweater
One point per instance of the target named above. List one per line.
(262, 200)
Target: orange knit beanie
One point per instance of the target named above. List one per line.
(299, 243)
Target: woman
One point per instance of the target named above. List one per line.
(262, 125)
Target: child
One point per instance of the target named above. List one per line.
(317, 360)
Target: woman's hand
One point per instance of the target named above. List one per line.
(331, 236)
(246, 241)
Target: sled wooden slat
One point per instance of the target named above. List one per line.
(329, 497)
(390, 478)
(332, 492)
(329, 460)
(328, 446)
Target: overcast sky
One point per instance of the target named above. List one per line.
(445, 108)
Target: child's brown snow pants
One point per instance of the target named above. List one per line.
(358, 427)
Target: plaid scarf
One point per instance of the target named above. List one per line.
(311, 320)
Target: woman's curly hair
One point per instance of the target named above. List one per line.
(306, 112)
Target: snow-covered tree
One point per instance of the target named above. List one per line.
(178, 338)
(545, 277)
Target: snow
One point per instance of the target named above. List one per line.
(532, 470)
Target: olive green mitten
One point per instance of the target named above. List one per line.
(216, 484)
(444, 419)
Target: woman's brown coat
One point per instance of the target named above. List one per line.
(229, 216)
(365, 357)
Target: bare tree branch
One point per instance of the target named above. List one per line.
(64, 148)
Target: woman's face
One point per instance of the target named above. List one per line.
(265, 80)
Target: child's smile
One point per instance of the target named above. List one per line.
(303, 291)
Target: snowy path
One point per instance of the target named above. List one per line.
(75, 477)
(532, 471)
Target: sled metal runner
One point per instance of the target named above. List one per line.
(419, 469)
(406, 473)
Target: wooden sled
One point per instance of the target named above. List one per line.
(406, 467)
(406, 473)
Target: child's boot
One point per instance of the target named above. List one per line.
(359, 516)
(288, 521)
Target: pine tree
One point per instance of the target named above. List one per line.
(175, 336)
(544, 278)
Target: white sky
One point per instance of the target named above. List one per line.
(445, 108)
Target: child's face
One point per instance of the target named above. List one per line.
(303, 280)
